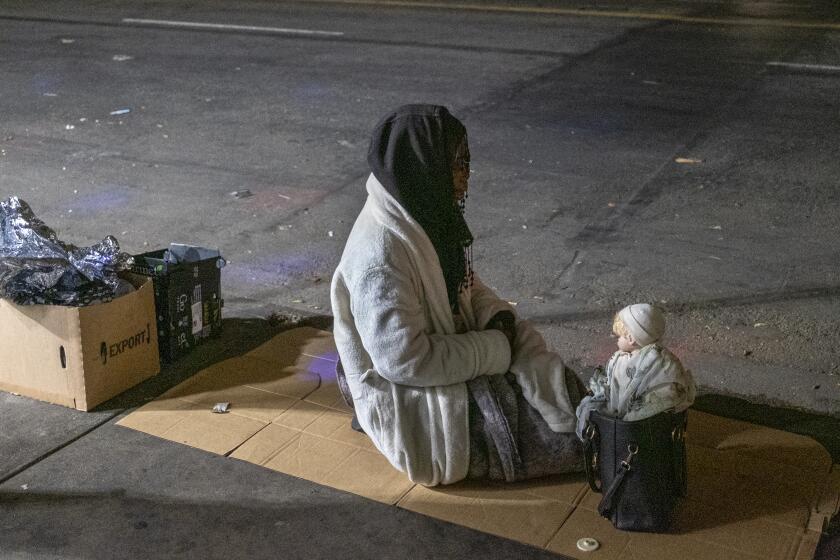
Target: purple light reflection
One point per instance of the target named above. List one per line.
(113, 197)
(324, 368)
(330, 356)
(310, 90)
(45, 83)
(274, 270)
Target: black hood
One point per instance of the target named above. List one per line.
(411, 154)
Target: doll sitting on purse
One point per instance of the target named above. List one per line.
(643, 378)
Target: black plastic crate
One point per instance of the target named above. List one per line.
(188, 298)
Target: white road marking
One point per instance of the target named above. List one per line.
(483, 7)
(229, 27)
(798, 66)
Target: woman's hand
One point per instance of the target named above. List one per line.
(506, 322)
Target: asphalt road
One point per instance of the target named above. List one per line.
(681, 153)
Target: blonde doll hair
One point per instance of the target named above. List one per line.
(618, 327)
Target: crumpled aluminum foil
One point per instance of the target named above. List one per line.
(38, 268)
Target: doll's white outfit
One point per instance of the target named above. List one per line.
(637, 385)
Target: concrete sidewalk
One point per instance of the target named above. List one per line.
(74, 485)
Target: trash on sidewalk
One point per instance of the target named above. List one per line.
(588, 544)
(283, 320)
(121, 112)
(221, 408)
(188, 299)
(38, 268)
(81, 326)
(687, 160)
(244, 193)
(121, 57)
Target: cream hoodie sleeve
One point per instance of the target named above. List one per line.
(392, 325)
(486, 304)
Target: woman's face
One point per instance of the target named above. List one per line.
(461, 171)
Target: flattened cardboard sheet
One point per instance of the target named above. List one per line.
(621, 545)
(324, 422)
(193, 424)
(218, 433)
(293, 381)
(732, 528)
(493, 509)
(211, 389)
(369, 474)
(287, 348)
(832, 493)
(265, 444)
(316, 443)
(328, 395)
(716, 480)
(754, 493)
(737, 438)
(808, 546)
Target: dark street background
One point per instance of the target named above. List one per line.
(677, 152)
(683, 153)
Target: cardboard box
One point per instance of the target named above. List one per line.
(79, 356)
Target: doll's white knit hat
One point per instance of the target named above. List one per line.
(644, 321)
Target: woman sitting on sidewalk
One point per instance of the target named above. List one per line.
(442, 377)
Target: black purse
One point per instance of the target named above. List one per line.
(639, 466)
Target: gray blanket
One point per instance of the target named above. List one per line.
(509, 440)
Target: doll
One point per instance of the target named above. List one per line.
(643, 378)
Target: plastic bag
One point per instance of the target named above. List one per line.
(180, 253)
(38, 268)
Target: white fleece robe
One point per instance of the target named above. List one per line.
(405, 365)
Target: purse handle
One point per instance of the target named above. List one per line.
(605, 508)
(590, 456)
(678, 448)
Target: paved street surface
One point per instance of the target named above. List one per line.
(683, 153)
(578, 203)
